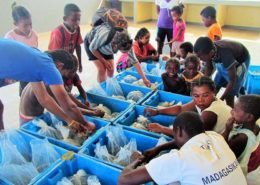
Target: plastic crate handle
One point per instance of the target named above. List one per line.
(55, 177)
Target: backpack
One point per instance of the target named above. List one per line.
(114, 18)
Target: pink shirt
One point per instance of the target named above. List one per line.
(31, 40)
(177, 27)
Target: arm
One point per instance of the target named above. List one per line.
(134, 176)
(82, 92)
(232, 80)
(140, 71)
(155, 127)
(238, 144)
(77, 102)
(209, 119)
(78, 52)
(209, 68)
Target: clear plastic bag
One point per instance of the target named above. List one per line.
(123, 157)
(80, 178)
(93, 180)
(9, 153)
(116, 139)
(144, 67)
(129, 79)
(18, 174)
(161, 141)
(54, 120)
(64, 181)
(113, 87)
(119, 97)
(15, 137)
(102, 153)
(134, 95)
(43, 154)
(46, 130)
(98, 90)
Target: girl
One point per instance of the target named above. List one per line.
(243, 138)
(191, 71)
(102, 53)
(164, 24)
(214, 112)
(144, 51)
(23, 31)
(172, 81)
(179, 27)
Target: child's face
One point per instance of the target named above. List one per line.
(73, 20)
(239, 114)
(183, 53)
(172, 69)
(24, 26)
(207, 21)
(202, 96)
(191, 69)
(175, 16)
(145, 39)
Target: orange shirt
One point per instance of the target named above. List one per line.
(214, 30)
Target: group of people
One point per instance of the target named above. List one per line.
(198, 154)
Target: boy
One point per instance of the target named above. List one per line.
(67, 35)
(201, 158)
(185, 49)
(208, 16)
(231, 60)
(243, 138)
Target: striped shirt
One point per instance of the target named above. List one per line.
(98, 37)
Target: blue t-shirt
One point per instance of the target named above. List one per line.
(23, 63)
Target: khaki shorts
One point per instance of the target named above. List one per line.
(176, 47)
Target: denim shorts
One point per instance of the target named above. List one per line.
(222, 78)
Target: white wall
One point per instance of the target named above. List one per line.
(46, 14)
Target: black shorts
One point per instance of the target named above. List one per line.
(93, 57)
(163, 32)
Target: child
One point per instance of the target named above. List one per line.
(164, 24)
(191, 71)
(208, 16)
(144, 51)
(67, 35)
(214, 112)
(231, 60)
(102, 53)
(185, 49)
(23, 31)
(194, 157)
(244, 137)
(172, 81)
(179, 27)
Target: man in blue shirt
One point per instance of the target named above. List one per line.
(23, 63)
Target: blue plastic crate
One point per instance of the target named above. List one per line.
(28, 138)
(33, 129)
(106, 174)
(151, 78)
(132, 114)
(144, 143)
(115, 105)
(127, 88)
(149, 68)
(252, 84)
(162, 96)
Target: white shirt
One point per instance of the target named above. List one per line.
(164, 4)
(205, 159)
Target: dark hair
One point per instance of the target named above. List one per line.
(203, 45)
(173, 61)
(178, 9)
(204, 80)
(209, 11)
(70, 8)
(190, 122)
(123, 40)
(187, 46)
(141, 33)
(250, 103)
(19, 13)
(193, 59)
(64, 57)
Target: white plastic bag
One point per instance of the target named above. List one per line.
(102, 153)
(43, 154)
(93, 180)
(80, 178)
(134, 95)
(113, 87)
(123, 157)
(98, 90)
(64, 181)
(129, 79)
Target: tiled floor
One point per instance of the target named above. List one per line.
(9, 94)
